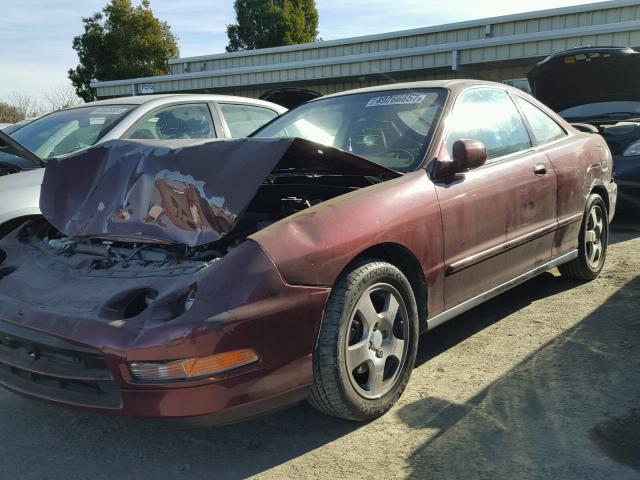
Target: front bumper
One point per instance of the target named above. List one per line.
(57, 344)
(54, 369)
(48, 368)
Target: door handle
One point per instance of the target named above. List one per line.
(540, 169)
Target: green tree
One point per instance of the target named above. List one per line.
(122, 41)
(272, 23)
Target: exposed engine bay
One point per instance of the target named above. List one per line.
(274, 200)
(98, 242)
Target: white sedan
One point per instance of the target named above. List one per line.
(161, 117)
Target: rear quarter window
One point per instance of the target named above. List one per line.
(243, 120)
(543, 128)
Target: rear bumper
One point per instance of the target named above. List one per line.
(626, 173)
(612, 190)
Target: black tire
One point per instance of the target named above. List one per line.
(335, 390)
(588, 266)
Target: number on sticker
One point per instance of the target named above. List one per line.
(405, 99)
(108, 111)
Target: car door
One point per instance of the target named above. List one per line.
(241, 119)
(499, 219)
(176, 121)
(569, 168)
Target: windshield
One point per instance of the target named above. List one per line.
(391, 128)
(66, 131)
(621, 109)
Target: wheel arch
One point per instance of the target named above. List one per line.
(601, 190)
(405, 260)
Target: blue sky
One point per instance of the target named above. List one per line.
(36, 35)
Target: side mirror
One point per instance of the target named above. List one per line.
(468, 154)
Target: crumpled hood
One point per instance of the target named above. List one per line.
(191, 195)
(586, 75)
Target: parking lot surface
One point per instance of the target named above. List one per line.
(541, 382)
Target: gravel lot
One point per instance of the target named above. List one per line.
(541, 382)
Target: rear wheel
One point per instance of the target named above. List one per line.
(593, 242)
(367, 345)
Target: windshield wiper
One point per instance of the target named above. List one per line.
(10, 167)
(317, 173)
(620, 113)
(607, 115)
(306, 171)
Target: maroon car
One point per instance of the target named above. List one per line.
(235, 277)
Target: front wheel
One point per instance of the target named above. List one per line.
(593, 242)
(367, 344)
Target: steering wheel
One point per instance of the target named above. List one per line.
(404, 155)
(370, 138)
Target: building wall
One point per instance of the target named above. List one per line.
(493, 49)
(496, 74)
(434, 36)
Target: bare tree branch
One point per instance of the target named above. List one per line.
(26, 104)
(63, 96)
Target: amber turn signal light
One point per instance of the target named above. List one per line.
(192, 367)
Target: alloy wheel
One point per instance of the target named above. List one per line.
(595, 237)
(377, 341)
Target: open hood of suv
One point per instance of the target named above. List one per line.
(191, 195)
(586, 75)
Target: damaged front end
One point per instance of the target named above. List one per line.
(145, 264)
(139, 209)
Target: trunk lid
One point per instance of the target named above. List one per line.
(586, 75)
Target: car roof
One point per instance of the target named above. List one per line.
(160, 99)
(452, 84)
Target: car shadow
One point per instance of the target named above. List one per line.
(569, 410)
(477, 319)
(44, 441)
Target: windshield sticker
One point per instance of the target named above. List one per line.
(108, 111)
(97, 120)
(405, 99)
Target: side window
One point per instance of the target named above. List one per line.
(490, 116)
(245, 119)
(176, 121)
(543, 127)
